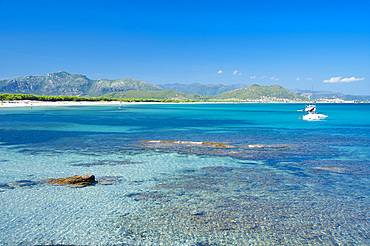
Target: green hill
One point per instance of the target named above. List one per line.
(163, 94)
(201, 89)
(255, 92)
(104, 86)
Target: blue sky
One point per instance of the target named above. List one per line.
(209, 42)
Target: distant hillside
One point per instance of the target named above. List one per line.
(163, 94)
(343, 97)
(104, 86)
(255, 92)
(332, 95)
(300, 91)
(200, 89)
(63, 83)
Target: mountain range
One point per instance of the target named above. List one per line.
(63, 83)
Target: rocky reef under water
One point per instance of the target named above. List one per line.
(251, 151)
(235, 205)
(219, 205)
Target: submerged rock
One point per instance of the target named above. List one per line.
(109, 180)
(6, 186)
(217, 168)
(191, 143)
(23, 183)
(76, 180)
(333, 169)
(197, 212)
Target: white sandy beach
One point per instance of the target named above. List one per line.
(7, 104)
(27, 103)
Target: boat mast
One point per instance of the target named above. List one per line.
(313, 96)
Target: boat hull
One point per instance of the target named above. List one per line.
(314, 117)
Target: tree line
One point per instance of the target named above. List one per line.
(19, 97)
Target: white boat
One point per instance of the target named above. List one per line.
(312, 114)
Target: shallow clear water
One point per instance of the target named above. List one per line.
(261, 177)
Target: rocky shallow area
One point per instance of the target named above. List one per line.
(77, 181)
(242, 206)
(230, 205)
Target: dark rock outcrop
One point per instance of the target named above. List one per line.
(76, 180)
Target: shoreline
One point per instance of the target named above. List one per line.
(11, 104)
(26, 103)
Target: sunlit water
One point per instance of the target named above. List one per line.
(266, 178)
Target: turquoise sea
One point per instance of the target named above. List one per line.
(186, 174)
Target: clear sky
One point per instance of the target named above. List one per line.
(229, 42)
